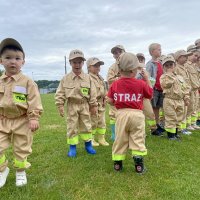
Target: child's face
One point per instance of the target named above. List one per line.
(169, 66)
(77, 64)
(141, 59)
(95, 69)
(182, 60)
(117, 53)
(156, 52)
(12, 61)
(193, 58)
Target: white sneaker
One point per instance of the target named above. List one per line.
(185, 132)
(21, 179)
(195, 127)
(190, 128)
(3, 176)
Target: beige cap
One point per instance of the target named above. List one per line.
(128, 61)
(76, 54)
(197, 42)
(191, 48)
(161, 57)
(117, 47)
(179, 53)
(93, 60)
(10, 42)
(140, 55)
(168, 58)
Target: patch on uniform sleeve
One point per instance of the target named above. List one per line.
(85, 91)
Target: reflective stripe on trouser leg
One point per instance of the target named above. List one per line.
(138, 153)
(189, 121)
(94, 131)
(171, 130)
(21, 164)
(2, 159)
(193, 119)
(151, 124)
(86, 136)
(117, 157)
(72, 140)
(112, 121)
(101, 131)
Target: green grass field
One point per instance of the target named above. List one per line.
(173, 168)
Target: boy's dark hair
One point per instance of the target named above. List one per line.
(11, 47)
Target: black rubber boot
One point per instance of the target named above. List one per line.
(171, 136)
(177, 135)
(139, 164)
(118, 166)
(156, 132)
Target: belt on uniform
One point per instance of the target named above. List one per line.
(5, 117)
(77, 101)
(170, 97)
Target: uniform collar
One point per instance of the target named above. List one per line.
(74, 75)
(16, 77)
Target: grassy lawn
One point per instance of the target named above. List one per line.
(173, 168)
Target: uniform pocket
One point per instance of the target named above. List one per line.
(69, 90)
(85, 89)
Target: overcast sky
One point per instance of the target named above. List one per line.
(49, 29)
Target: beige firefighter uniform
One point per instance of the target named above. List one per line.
(175, 92)
(194, 95)
(79, 93)
(198, 69)
(182, 71)
(98, 120)
(19, 102)
(130, 131)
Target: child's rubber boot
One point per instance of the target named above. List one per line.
(118, 166)
(112, 126)
(177, 135)
(139, 164)
(89, 148)
(102, 140)
(72, 151)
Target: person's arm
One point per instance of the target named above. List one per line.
(110, 96)
(60, 98)
(167, 80)
(35, 108)
(93, 98)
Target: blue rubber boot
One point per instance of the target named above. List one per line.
(112, 126)
(72, 151)
(89, 148)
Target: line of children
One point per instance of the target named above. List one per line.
(20, 109)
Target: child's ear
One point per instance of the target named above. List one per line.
(0, 60)
(23, 62)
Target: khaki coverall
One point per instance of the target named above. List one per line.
(79, 93)
(175, 92)
(182, 71)
(19, 102)
(98, 120)
(194, 95)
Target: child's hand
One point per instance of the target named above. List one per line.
(93, 110)
(61, 111)
(33, 125)
(144, 74)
